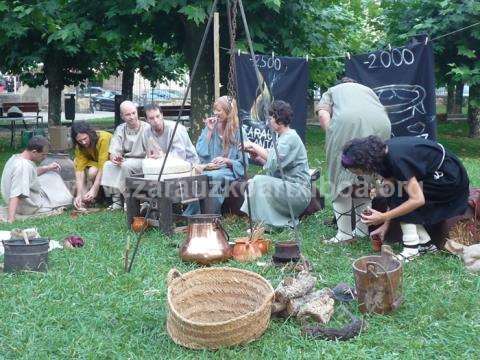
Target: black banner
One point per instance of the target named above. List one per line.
(280, 78)
(404, 80)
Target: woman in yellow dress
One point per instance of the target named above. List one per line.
(91, 153)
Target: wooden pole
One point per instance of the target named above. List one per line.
(216, 53)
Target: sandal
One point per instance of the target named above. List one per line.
(408, 253)
(427, 248)
(117, 205)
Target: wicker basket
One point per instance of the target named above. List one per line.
(217, 307)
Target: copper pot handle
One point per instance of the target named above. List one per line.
(217, 222)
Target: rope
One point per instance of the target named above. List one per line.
(456, 31)
(345, 55)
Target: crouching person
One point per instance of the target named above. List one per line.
(126, 154)
(28, 189)
(91, 153)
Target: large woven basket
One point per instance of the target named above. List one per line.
(217, 307)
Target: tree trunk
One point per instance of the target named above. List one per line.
(128, 76)
(450, 97)
(55, 87)
(457, 106)
(202, 91)
(474, 111)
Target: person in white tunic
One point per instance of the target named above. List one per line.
(126, 153)
(269, 194)
(347, 111)
(29, 189)
(157, 138)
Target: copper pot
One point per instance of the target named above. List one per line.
(207, 240)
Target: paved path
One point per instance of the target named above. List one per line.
(83, 116)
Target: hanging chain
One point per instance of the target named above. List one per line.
(231, 87)
(232, 7)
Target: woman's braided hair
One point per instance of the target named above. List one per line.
(364, 153)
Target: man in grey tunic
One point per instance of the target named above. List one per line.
(126, 153)
(29, 189)
(347, 111)
(269, 194)
(156, 139)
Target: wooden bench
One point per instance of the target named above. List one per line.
(172, 111)
(25, 108)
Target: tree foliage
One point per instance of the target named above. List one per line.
(457, 55)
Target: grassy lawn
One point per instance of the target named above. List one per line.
(86, 307)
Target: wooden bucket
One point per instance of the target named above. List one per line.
(378, 281)
(20, 256)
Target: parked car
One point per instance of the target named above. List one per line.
(104, 101)
(159, 95)
(91, 91)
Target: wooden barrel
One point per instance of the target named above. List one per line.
(378, 281)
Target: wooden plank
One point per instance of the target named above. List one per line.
(216, 53)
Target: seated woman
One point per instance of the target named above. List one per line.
(430, 184)
(218, 149)
(91, 153)
(268, 193)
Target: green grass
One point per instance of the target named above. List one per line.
(86, 307)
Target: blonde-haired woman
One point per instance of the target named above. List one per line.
(218, 150)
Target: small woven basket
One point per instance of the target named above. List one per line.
(217, 307)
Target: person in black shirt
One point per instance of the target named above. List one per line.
(428, 184)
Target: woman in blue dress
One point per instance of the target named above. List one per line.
(218, 148)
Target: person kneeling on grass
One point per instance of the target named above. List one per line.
(430, 185)
(30, 190)
(91, 153)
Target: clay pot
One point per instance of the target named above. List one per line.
(139, 223)
(288, 251)
(262, 244)
(376, 243)
(245, 251)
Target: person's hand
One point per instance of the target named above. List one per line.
(153, 154)
(257, 158)
(222, 161)
(90, 195)
(116, 159)
(199, 168)
(78, 202)
(381, 231)
(250, 147)
(373, 217)
(210, 122)
(54, 167)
